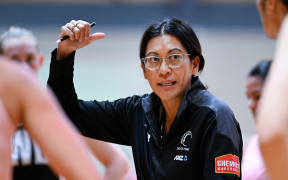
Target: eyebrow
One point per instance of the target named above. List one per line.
(151, 52)
(171, 50)
(175, 49)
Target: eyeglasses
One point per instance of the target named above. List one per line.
(172, 61)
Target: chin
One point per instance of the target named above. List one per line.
(270, 33)
(164, 96)
(168, 96)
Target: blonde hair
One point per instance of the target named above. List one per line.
(16, 32)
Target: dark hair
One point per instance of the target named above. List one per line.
(181, 30)
(261, 69)
(285, 3)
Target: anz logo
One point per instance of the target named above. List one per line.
(181, 158)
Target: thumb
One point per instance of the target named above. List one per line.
(96, 36)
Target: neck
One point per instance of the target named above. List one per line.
(171, 107)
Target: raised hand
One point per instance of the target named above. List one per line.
(79, 37)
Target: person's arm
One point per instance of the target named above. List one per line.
(112, 157)
(26, 101)
(272, 115)
(221, 148)
(6, 132)
(107, 121)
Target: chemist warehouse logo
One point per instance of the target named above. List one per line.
(227, 164)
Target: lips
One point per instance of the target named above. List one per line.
(168, 83)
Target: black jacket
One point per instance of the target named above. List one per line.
(204, 141)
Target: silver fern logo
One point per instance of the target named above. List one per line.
(183, 139)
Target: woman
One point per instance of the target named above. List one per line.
(272, 118)
(253, 165)
(57, 138)
(21, 46)
(180, 131)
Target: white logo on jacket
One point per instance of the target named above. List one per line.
(148, 136)
(180, 158)
(183, 139)
(185, 142)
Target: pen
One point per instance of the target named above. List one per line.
(67, 37)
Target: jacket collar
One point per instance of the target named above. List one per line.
(152, 103)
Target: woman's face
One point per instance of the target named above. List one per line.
(169, 83)
(253, 91)
(23, 51)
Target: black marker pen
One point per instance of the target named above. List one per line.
(67, 37)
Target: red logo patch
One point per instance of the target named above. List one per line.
(227, 164)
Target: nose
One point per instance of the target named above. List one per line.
(164, 68)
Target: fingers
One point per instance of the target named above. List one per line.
(73, 27)
(85, 26)
(82, 31)
(76, 30)
(66, 31)
(79, 31)
(96, 36)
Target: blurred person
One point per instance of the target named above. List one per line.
(21, 46)
(180, 131)
(253, 167)
(29, 163)
(23, 100)
(272, 13)
(272, 118)
(6, 131)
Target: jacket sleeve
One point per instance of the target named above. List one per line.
(107, 121)
(221, 148)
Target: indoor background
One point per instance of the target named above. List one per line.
(230, 32)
